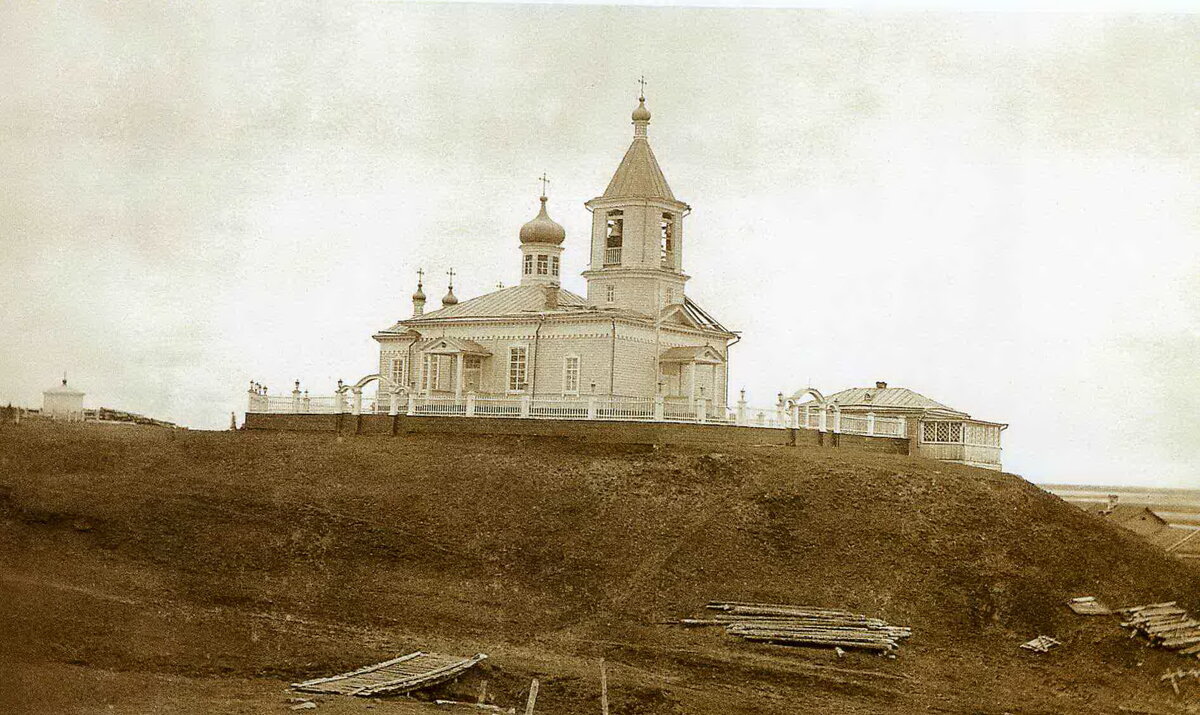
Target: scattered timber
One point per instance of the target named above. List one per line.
(1041, 644)
(399, 675)
(1174, 676)
(1088, 606)
(803, 626)
(1165, 625)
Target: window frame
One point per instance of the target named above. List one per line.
(567, 360)
(543, 264)
(610, 293)
(399, 377)
(528, 264)
(519, 387)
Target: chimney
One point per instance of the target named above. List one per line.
(881, 385)
(551, 292)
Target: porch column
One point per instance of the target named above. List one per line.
(458, 376)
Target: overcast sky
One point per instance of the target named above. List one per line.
(998, 211)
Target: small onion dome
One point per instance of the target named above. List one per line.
(543, 229)
(419, 295)
(641, 114)
(449, 299)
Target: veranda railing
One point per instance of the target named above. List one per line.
(782, 415)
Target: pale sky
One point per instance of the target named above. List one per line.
(999, 211)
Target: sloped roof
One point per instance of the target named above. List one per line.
(691, 353)
(639, 175)
(516, 300)
(894, 397)
(452, 346)
(62, 390)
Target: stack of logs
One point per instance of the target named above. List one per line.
(805, 625)
(1166, 625)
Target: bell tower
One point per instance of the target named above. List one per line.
(637, 233)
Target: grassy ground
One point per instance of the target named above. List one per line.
(165, 571)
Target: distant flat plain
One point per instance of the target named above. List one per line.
(1180, 507)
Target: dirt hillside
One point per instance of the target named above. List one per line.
(169, 571)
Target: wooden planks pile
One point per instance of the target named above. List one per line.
(398, 675)
(806, 625)
(1165, 625)
(1041, 644)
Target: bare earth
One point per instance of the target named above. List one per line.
(143, 570)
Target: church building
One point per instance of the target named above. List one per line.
(636, 334)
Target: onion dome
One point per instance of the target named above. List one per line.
(449, 298)
(543, 229)
(641, 114)
(419, 296)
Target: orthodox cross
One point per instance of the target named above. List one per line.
(451, 274)
(642, 92)
(544, 181)
(420, 276)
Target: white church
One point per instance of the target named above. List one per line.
(635, 335)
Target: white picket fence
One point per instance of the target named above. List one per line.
(587, 407)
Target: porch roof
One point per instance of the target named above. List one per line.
(455, 346)
(703, 354)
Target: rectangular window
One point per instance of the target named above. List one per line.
(610, 293)
(571, 375)
(667, 241)
(941, 432)
(399, 379)
(528, 264)
(517, 362)
(554, 266)
(543, 265)
(433, 372)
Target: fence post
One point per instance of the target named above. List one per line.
(412, 404)
(307, 403)
(339, 402)
(471, 403)
(779, 410)
(525, 400)
(871, 424)
(591, 407)
(393, 401)
(357, 406)
(702, 409)
(741, 407)
(823, 419)
(837, 420)
(658, 408)
(296, 397)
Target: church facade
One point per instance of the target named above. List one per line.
(635, 335)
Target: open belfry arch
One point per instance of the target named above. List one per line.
(635, 335)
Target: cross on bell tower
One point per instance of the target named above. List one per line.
(450, 299)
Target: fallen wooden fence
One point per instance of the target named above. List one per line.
(1165, 625)
(803, 625)
(398, 675)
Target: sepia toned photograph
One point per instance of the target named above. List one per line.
(629, 359)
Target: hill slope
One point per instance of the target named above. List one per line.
(244, 561)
